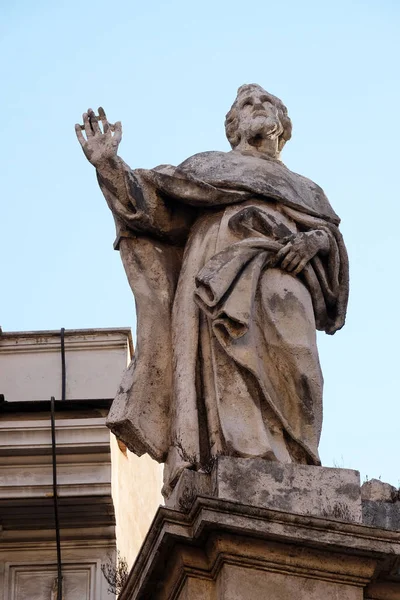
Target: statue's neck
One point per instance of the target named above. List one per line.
(266, 148)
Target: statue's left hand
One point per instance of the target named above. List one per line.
(301, 248)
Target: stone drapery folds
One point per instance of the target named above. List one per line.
(226, 360)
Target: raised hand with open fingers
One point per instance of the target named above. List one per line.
(99, 146)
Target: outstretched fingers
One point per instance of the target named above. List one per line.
(103, 119)
(79, 135)
(94, 123)
(86, 124)
(117, 137)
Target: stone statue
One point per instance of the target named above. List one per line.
(234, 262)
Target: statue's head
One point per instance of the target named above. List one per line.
(258, 119)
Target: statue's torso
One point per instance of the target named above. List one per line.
(225, 226)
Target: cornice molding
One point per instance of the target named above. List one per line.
(75, 339)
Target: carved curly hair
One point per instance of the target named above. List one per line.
(232, 120)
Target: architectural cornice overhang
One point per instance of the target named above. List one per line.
(217, 531)
(24, 514)
(47, 340)
(83, 466)
(37, 406)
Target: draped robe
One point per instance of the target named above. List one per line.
(226, 359)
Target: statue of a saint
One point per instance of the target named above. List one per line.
(234, 262)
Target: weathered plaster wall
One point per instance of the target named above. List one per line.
(136, 485)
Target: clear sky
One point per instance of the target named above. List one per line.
(169, 71)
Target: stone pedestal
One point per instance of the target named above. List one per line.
(302, 489)
(223, 550)
(257, 530)
(216, 544)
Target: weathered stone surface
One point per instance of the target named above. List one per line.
(307, 490)
(234, 261)
(387, 590)
(380, 505)
(381, 514)
(240, 583)
(379, 491)
(190, 485)
(228, 551)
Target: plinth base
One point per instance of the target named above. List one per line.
(302, 489)
(222, 550)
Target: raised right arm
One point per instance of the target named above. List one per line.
(100, 148)
(135, 202)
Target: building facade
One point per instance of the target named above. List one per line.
(106, 497)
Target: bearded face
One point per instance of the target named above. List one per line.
(257, 116)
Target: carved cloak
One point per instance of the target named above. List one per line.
(154, 221)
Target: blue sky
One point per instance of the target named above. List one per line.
(169, 71)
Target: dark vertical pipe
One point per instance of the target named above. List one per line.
(55, 499)
(63, 369)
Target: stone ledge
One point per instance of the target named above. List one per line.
(73, 435)
(96, 535)
(38, 513)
